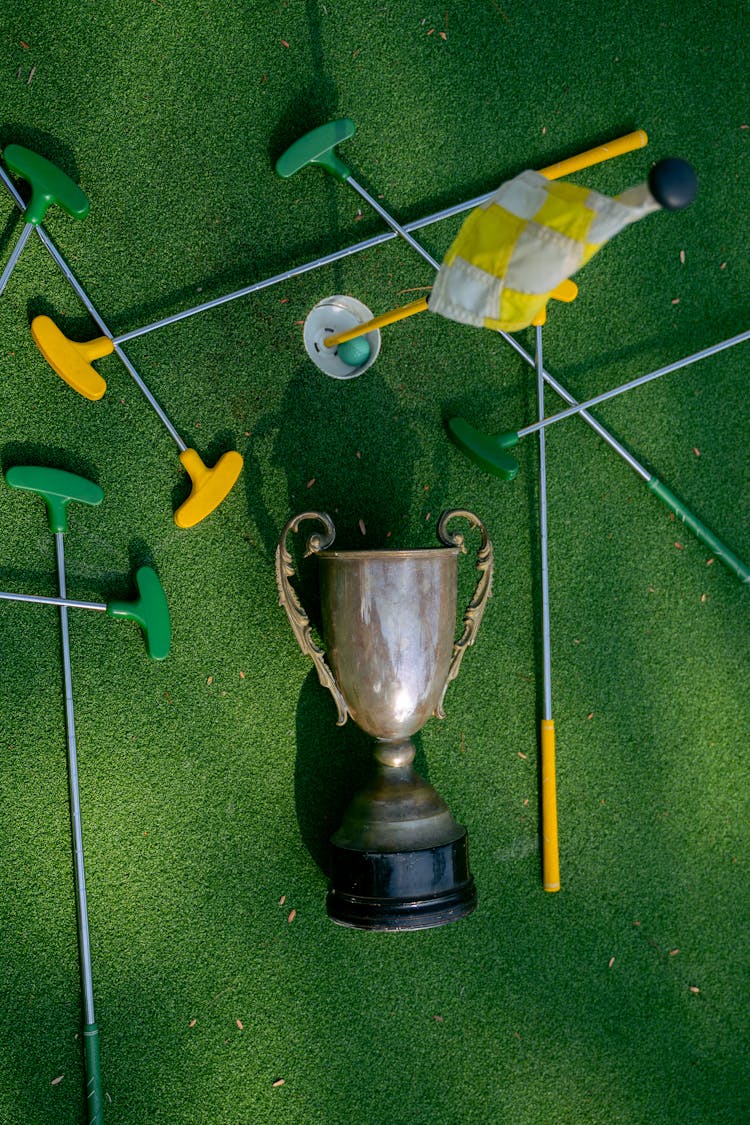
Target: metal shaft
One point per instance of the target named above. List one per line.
(676, 366)
(317, 263)
(78, 289)
(595, 425)
(256, 287)
(550, 842)
(75, 802)
(61, 601)
(392, 223)
(546, 646)
(11, 263)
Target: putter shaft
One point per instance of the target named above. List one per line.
(396, 227)
(81, 293)
(639, 382)
(61, 601)
(16, 254)
(90, 1030)
(543, 541)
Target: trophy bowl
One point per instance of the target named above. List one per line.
(399, 860)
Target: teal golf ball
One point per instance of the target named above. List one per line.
(354, 352)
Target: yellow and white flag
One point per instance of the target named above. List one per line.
(512, 252)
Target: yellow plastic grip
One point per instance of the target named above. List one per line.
(210, 486)
(550, 849)
(71, 359)
(566, 291)
(628, 143)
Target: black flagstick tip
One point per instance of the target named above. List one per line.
(673, 183)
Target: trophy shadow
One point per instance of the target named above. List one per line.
(332, 763)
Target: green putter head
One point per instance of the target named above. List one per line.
(316, 147)
(48, 185)
(150, 611)
(57, 488)
(485, 450)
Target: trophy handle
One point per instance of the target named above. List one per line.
(476, 607)
(298, 619)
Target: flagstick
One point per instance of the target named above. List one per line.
(618, 147)
(550, 847)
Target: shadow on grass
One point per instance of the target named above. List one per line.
(31, 453)
(336, 445)
(332, 764)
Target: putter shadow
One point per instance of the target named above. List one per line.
(79, 327)
(318, 102)
(32, 453)
(43, 143)
(11, 230)
(313, 106)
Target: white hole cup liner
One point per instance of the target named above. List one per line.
(329, 317)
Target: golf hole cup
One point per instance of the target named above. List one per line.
(399, 859)
(331, 317)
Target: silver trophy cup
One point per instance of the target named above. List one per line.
(399, 860)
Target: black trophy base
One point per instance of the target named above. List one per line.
(408, 890)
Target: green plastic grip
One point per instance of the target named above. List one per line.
(94, 1098)
(485, 450)
(48, 185)
(316, 147)
(150, 611)
(699, 529)
(57, 488)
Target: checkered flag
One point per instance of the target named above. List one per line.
(513, 252)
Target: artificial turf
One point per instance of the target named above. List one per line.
(210, 782)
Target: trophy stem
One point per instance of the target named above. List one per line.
(399, 860)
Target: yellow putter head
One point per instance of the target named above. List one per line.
(70, 359)
(210, 486)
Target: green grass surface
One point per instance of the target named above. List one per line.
(209, 783)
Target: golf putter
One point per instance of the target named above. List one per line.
(58, 488)
(48, 186)
(149, 610)
(673, 186)
(316, 148)
(73, 363)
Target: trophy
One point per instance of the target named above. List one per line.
(399, 860)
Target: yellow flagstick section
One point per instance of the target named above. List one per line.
(550, 843)
(391, 317)
(618, 147)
